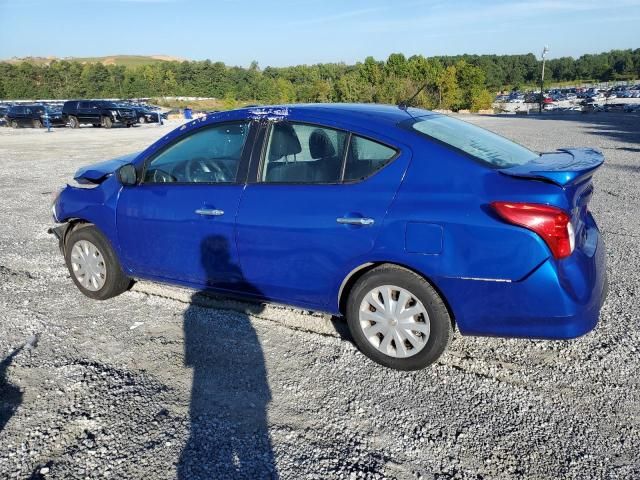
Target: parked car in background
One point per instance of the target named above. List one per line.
(3, 112)
(145, 115)
(33, 116)
(516, 98)
(98, 113)
(405, 221)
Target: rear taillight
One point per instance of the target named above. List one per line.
(551, 223)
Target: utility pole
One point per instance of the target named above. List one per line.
(545, 50)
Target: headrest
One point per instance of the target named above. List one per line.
(319, 145)
(284, 142)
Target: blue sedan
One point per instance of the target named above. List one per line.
(407, 222)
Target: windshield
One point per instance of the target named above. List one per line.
(478, 142)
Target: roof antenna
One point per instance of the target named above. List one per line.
(407, 103)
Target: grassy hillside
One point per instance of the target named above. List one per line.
(125, 60)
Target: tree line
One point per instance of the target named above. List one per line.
(451, 82)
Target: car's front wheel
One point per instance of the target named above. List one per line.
(141, 119)
(398, 319)
(13, 124)
(73, 122)
(93, 264)
(107, 122)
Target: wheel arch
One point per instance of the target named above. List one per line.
(73, 224)
(354, 275)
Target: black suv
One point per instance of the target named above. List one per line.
(97, 113)
(33, 116)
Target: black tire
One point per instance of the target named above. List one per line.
(441, 325)
(14, 124)
(115, 281)
(107, 122)
(73, 122)
(37, 123)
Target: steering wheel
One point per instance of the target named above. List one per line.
(196, 166)
(160, 176)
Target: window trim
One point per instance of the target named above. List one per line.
(241, 175)
(255, 178)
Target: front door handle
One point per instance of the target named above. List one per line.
(211, 212)
(355, 221)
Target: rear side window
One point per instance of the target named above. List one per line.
(301, 153)
(365, 157)
(482, 144)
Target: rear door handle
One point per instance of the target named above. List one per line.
(364, 221)
(211, 212)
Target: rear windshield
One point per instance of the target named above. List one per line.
(482, 144)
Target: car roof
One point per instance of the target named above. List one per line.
(349, 112)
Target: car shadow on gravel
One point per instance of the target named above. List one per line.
(229, 432)
(10, 395)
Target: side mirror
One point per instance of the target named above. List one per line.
(127, 175)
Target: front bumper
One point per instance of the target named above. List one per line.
(60, 232)
(125, 120)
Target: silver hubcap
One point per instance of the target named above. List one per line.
(394, 321)
(88, 265)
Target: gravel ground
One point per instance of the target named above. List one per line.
(163, 383)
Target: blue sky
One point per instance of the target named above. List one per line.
(289, 32)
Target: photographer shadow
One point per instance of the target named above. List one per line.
(10, 395)
(229, 432)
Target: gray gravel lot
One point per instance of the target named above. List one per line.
(161, 383)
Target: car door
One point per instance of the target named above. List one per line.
(315, 209)
(86, 112)
(179, 222)
(22, 114)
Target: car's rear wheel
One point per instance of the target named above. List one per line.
(37, 123)
(141, 119)
(73, 122)
(13, 124)
(93, 264)
(397, 318)
(107, 122)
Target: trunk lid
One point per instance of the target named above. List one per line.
(563, 167)
(571, 170)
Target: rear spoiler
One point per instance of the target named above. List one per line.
(563, 167)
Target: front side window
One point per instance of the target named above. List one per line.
(302, 153)
(211, 155)
(475, 141)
